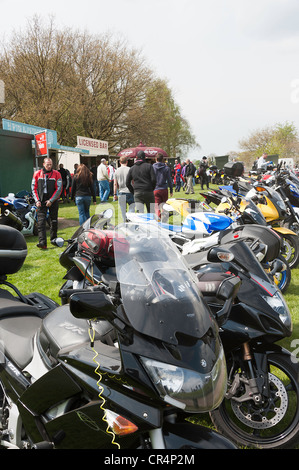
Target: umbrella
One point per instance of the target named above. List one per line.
(150, 152)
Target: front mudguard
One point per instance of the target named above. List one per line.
(284, 231)
(274, 348)
(192, 436)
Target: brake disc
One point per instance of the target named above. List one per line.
(264, 417)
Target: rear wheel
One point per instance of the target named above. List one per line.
(290, 249)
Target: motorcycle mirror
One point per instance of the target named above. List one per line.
(89, 305)
(58, 242)
(108, 213)
(236, 187)
(227, 291)
(228, 288)
(278, 266)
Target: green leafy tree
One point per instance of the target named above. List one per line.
(96, 86)
(158, 122)
(281, 139)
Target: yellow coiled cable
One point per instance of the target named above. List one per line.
(91, 333)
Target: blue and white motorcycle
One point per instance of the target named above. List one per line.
(18, 212)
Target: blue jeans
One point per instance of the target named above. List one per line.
(123, 200)
(104, 190)
(83, 205)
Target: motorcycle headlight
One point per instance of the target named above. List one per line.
(187, 389)
(279, 305)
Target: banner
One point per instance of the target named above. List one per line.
(41, 148)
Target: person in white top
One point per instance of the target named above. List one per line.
(121, 191)
(262, 163)
(103, 180)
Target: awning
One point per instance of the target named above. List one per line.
(51, 135)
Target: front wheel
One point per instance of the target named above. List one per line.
(274, 422)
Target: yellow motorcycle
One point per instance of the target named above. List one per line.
(266, 207)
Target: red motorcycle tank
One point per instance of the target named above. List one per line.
(100, 243)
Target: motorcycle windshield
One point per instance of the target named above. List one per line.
(277, 199)
(250, 208)
(159, 292)
(245, 255)
(95, 221)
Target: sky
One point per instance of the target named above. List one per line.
(232, 65)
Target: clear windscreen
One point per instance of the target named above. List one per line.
(159, 292)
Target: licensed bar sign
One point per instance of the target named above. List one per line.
(95, 147)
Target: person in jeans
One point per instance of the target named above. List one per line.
(189, 173)
(103, 179)
(121, 192)
(83, 191)
(163, 182)
(46, 188)
(141, 181)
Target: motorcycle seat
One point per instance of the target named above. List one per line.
(17, 333)
(11, 306)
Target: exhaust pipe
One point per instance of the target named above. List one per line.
(14, 219)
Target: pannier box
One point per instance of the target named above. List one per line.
(233, 169)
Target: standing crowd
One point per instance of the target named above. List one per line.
(142, 184)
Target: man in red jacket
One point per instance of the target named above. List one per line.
(46, 189)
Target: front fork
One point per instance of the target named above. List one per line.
(253, 378)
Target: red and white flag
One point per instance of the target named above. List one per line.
(41, 147)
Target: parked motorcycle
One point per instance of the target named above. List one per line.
(65, 385)
(18, 211)
(287, 185)
(264, 211)
(261, 407)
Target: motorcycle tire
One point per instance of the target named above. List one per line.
(290, 249)
(275, 423)
(283, 279)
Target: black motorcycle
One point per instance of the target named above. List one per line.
(261, 407)
(256, 320)
(120, 366)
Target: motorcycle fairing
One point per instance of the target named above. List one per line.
(207, 222)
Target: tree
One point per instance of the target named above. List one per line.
(281, 139)
(158, 122)
(96, 86)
